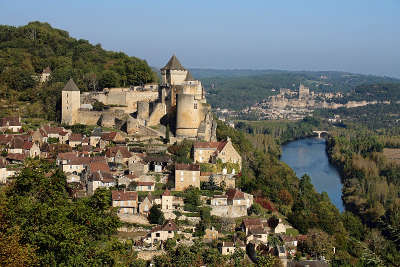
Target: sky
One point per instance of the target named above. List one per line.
(360, 36)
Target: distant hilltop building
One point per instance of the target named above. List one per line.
(304, 92)
(45, 76)
(178, 92)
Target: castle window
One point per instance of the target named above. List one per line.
(195, 105)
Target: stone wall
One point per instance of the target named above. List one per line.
(158, 112)
(229, 211)
(89, 117)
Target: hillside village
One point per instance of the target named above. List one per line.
(133, 147)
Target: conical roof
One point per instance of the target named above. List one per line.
(71, 86)
(173, 64)
(189, 77)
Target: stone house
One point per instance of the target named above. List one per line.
(31, 149)
(234, 204)
(228, 248)
(169, 203)
(127, 179)
(157, 162)
(118, 154)
(187, 175)
(249, 223)
(75, 140)
(219, 200)
(45, 76)
(111, 137)
(257, 234)
(210, 152)
(100, 179)
(12, 124)
(5, 173)
(16, 157)
(162, 233)
(126, 201)
(239, 198)
(145, 186)
(228, 180)
(146, 205)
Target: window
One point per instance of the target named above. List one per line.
(149, 187)
(157, 234)
(169, 232)
(195, 105)
(181, 179)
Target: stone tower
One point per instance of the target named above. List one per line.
(71, 103)
(173, 73)
(191, 108)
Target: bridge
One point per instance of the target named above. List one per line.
(319, 133)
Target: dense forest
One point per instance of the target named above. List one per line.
(371, 185)
(224, 87)
(25, 51)
(377, 116)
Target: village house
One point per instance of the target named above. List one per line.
(169, 202)
(257, 234)
(100, 179)
(6, 139)
(239, 198)
(233, 204)
(12, 124)
(210, 152)
(127, 179)
(118, 154)
(157, 162)
(16, 157)
(145, 186)
(228, 248)
(5, 173)
(126, 201)
(162, 232)
(59, 133)
(249, 223)
(111, 137)
(75, 140)
(186, 175)
(146, 204)
(45, 76)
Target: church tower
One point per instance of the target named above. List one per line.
(71, 103)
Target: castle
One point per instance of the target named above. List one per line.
(178, 95)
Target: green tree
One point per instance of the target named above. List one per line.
(109, 79)
(156, 216)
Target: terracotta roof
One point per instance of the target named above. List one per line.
(166, 192)
(5, 139)
(105, 177)
(108, 136)
(187, 167)
(168, 226)
(75, 138)
(27, 145)
(112, 151)
(251, 222)
(130, 176)
(124, 195)
(257, 230)
(10, 121)
(234, 194)
(71, 86)
(210, 145)
(157, 158)
(15, 156)
(99, 166)
(67, 155)
(173, 64)
(145, 183)
(52, 130)
(86, 148)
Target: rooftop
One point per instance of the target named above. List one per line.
(71, 86)
(173, 64)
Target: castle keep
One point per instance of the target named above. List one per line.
(144, 106)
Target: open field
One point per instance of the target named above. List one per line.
(392, 154)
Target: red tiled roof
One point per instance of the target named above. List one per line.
(130, 176)
(145, 183)
(27, 145)
(109, 136)
(5, 139)
(187, 167)
(99, 166)
(52, 130)
(67, 155)
(105, 177)
(211, 145)
(123, 196)
(251, 222)
(86, 148)
(112, 151)
(234, 194)
(75, 138)
(10, 121)
(15, 156)
(168, 226)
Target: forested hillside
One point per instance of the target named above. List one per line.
(25, 51)
(225, 87)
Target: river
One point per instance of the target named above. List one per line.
(309, 156)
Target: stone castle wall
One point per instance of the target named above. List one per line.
(229, 211)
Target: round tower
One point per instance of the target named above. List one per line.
(188, 116)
